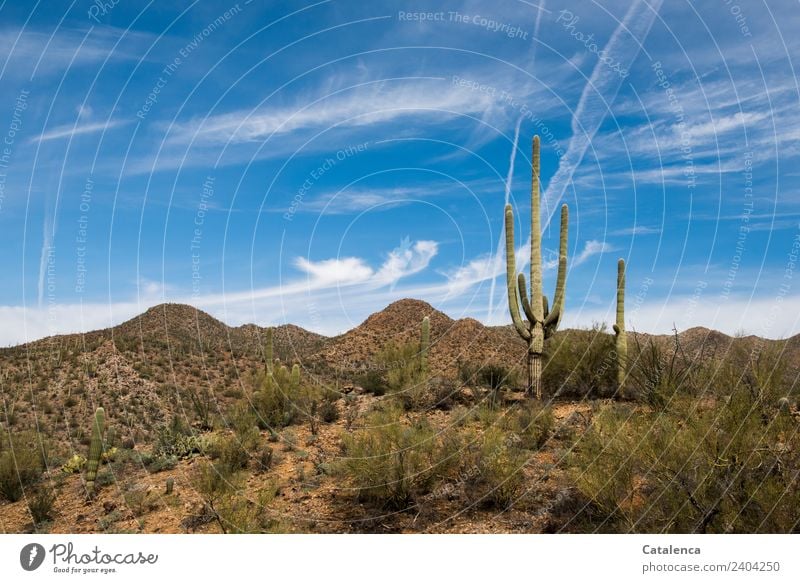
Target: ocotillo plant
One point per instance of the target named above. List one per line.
(95, 450)
(619, 327)
(541, 321)
(424, 344)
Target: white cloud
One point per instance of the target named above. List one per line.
(590, 249)
(69, 130)
(362, 105)
(357, 200)
(638, 230)
(739, 120)
(344, 271)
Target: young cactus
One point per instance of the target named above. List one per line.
(170, 485)
(95, 450)
(295, 379)
(424, 344)
(619, 327)
(268, 356)
(541, 321)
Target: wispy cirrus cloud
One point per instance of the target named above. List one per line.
(352, 107)
(77, 129)
(637, 230)
(598, 95)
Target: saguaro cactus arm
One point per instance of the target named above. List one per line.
(523, 297)
(554, 318)
(511, 283)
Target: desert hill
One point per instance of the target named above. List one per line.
(151, 366)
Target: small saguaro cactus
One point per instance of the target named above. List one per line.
(424, 344)
(541, 321)
(619, 327)
(95, 450)
(170, 485)
(295, 379)
(268, 356)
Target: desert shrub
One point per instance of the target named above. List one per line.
(657, 374)
(467, 372)
(328, 411)
(218, 485)
(21, 464)
(203, 406)
(104, 478)
(393, 462)
(230, 454)
(243, 421)
(40, 504)
(493, 376)
(277, 403)
(401, 365)
(140, 500)
(265, 458)
(373, 382)
(712, 465)
(492, 469)
(442, 393)
(214, 480)
(529, 424)
(580, 364)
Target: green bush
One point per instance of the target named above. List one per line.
(41, 504)
(277, 402)
(373, 382)
(657, 373)
(393, 462)
(530, 423)
(21, 465)
(401, 363)
(230, 453)
(328, 411)
(492, 469)
(724, 463)
(580, 364)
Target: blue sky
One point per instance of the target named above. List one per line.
(310, 162)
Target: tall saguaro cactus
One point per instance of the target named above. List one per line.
(619, 327)
(541, 321)
(95, 450)
(424, 344)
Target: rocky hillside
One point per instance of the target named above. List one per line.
(158, 363)
(452, 341)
